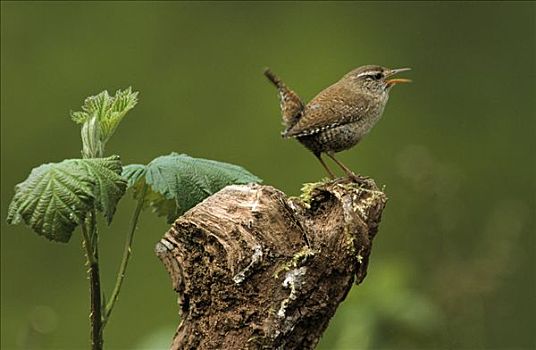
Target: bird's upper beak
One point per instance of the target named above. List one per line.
(391, 82)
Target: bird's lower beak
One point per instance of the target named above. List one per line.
(391, 82)
(397, 81)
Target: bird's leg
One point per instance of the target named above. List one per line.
(319, 156)
(350, 173)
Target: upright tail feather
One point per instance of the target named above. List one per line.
(291, 105)
(273, 78)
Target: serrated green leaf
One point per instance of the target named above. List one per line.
(56, 197)
(92, 146)
(93, 106)
(133, 173)
(177, 182)
(109, 185)
(79, 117)
(160, 205)
(117, 108)
(135, 176)
(53, 200)
(100, 116)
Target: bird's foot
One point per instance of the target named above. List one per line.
(361, 179)
(358, 178)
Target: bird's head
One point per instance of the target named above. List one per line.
(376, 79)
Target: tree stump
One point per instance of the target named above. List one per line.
(255, 269)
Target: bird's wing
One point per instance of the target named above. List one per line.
(331, 108)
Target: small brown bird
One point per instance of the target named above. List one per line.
(339, 116)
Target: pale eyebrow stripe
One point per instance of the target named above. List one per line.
(368, 72)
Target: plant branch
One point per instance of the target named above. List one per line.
(90, 236)
(95, 315)
(256, 269)
(86, 243)
(126, 256)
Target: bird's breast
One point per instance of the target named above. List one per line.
(333, 140)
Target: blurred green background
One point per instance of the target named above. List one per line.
(453, 266)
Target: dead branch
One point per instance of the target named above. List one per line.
(256, 269)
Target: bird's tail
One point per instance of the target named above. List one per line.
(291, 105)
(273, 78)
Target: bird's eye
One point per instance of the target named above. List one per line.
(377, 76)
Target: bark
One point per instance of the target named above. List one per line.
(255, 269)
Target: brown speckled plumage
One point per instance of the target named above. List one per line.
(339, 116)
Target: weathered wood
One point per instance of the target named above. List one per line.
(256, 269)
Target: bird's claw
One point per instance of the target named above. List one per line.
(360, 179)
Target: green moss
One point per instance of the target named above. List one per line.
(297, 260)
(307, 190)
(350, 238)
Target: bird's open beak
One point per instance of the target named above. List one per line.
(391, 82)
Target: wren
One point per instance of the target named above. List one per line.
(339, 116)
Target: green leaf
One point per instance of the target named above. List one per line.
(106, 107)
(177, 182)
(92, 145)
(56, 197)
(53, 200)
(160, 205)
(100, 116)
(109, 185)
(135, 176)
(92, 107)
(118, 106)
(133, 173)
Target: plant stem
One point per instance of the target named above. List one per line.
(90, 236)
(126, 256)
(96, 317)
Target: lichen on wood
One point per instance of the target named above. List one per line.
(255, 269)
